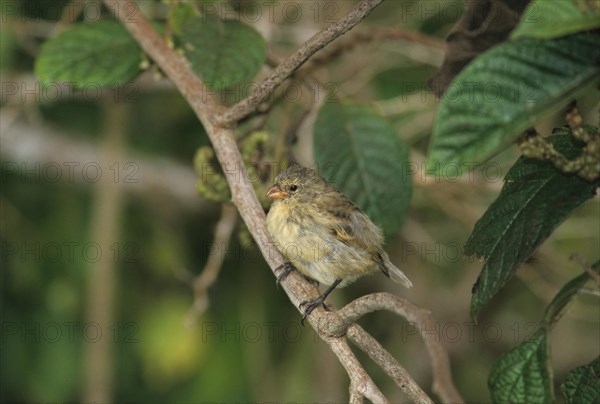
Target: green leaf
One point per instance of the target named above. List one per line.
(582, 385)
(358, 151)
(224, 53)
(102, 54)
(506, 90)
(556, 18)
(523, 374)
(558, 305)
(534, 200)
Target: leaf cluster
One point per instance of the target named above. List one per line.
(550, 59)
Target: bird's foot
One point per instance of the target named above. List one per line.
(283, 271)
(312, 304)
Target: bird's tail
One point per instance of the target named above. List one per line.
(397, 275)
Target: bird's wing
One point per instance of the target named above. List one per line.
(350, 225)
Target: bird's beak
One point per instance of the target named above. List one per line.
(276, 193)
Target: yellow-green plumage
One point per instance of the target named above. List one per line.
(322, 233)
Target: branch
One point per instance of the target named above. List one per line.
(360, 381)
(294, 61)
(102, 282)
(442, 378)
(213, 265)
(372, 35)
(296, 287)
(586, 267)
(243, 195)
(387, 362)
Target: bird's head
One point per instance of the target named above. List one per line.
(296, 183)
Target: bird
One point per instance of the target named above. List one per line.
(323, 234)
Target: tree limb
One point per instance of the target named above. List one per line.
(442, 378)
(228, 154)
(387, 362)
(294, 61)
(360, 381)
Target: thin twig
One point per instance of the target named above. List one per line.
(209, 274)
(294, 61)
(590, 291)
(366, 36)
(587, 267)
(442, 378)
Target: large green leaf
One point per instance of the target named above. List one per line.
(359, 151)
(506, 90)
(534, 200)
(100, 54)
(582, 385)
(552, 19)
(523, 374)
(223, 52)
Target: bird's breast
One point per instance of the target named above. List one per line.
(309, 244)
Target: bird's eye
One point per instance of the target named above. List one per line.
(293, 187)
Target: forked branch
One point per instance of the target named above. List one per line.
(442, 377)
(217, 120)
(294, 61)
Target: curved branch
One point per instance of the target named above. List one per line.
(208, 276)
(244, 197)
(442, 377)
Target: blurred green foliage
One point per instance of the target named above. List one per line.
(248, 345)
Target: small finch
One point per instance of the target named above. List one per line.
(324, 234)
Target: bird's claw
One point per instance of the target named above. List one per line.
(283, 270)
(310, 305)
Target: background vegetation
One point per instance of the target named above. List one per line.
(103, 228)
